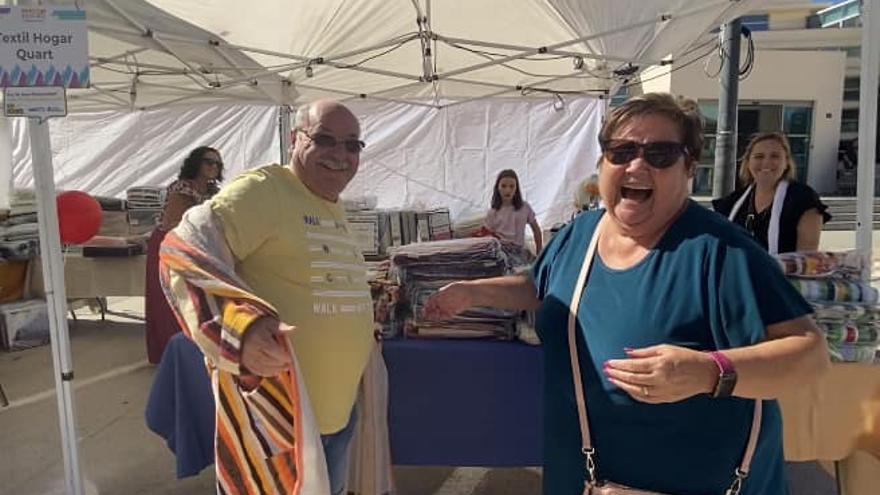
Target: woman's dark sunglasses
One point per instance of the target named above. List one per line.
(327, 141)
(211, 161)
(659, 154)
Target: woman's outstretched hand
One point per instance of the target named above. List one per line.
(448, 302)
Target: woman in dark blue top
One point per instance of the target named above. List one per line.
(781, 214)
(683, 323)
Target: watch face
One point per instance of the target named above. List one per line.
(726, 384)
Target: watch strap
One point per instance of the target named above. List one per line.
(726, 375)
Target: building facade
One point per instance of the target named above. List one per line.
(804, 82)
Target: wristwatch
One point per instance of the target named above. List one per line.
(726, 375)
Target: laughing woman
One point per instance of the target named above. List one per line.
(667, 334)
(781, 214)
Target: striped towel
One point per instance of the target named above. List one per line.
(852, 353)
(820, 263)
(849, 333)
(267, 441)
(858, 313)
(835, 290)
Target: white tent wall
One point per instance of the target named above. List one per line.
(416, 156)
(106, 153)
(419, 156)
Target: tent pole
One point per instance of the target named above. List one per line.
(53, 281)
(228, 59)
(332, 56)
(868, 85)
(704, 6)
(506, 46)
(724, 177)
(6, 188)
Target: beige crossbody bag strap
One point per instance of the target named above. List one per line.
(586, 445)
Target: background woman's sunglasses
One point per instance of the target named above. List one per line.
(327, 141)
(659, 154)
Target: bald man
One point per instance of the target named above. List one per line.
(292, 245)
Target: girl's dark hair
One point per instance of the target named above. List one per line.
(193, 161)
(517, 196)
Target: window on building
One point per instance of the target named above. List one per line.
(843, 14)
(619, 97)
(849, 120)
(851, 89)
(756, 22)
(797, 124)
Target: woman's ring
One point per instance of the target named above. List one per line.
(645, 391)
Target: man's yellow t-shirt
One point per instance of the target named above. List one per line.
(295, 250)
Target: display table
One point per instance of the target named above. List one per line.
(464, 402)
(457, 403)
(478, 403)
(86, 278)
(838, 419)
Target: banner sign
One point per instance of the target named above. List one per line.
(43, 46)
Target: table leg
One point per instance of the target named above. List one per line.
(103, 306)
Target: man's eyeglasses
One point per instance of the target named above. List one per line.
(327, 141)
(659, 154)
(211, 161)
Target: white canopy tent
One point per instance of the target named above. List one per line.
(536, 55)
(148, 55)
(154, 53)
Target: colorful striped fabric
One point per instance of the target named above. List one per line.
(849, 333)
(860, 313)
(267, 441)
(852, 353)
(820, 263)
(835, 290)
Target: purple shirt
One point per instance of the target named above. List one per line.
(509, 223)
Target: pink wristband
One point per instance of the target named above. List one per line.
(724, 364)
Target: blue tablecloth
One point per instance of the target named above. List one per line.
(180, 407)
(452, 403)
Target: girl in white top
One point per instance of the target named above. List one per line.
(509, 214)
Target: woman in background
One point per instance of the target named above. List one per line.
(781, 214)
(198, 180)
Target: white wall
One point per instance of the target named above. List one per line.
(795, 18)
(815, 76)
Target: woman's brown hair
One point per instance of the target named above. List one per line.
(682, 112)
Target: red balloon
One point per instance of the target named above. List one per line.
(79, 217)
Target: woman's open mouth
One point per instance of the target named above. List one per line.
(636, 193)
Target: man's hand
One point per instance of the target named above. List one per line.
(261, 352)
(448, 302)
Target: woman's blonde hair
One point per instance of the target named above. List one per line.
(682, 112)
(745, 175)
